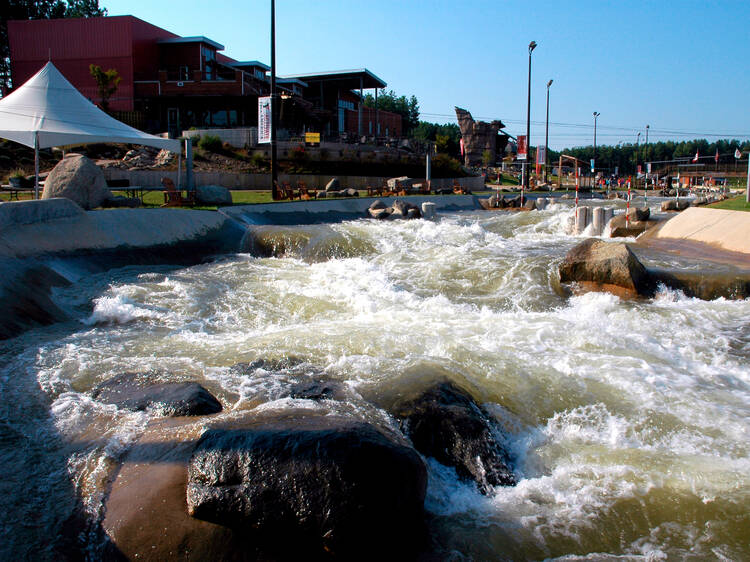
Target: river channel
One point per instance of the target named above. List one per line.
(628, 420)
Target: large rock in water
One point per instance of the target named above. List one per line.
(606, 265)
(78, 178)
(311, 485)
(133, 391)
(212, 195)
(447, 424)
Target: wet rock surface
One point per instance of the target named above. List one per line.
(314, 484)
(606, 264)
(445, 423)
(399, 209)
(132, 391)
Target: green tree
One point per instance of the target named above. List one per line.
(408, 108)
(107, 82)
(37, 9)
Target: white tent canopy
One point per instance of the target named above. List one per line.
(48, 111)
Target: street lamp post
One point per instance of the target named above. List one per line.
(274, 108)
(546, 136)
(645, 156)
(532, 46)
(593, 164)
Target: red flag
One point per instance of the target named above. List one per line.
(737, 153)
(696, 156)
(716, 158)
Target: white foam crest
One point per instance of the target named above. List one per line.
(119, 310)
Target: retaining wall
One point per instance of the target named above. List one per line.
(151, 178)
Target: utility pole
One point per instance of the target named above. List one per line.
(525, 184)
(274, 109)
(546, 136)
(593, 164)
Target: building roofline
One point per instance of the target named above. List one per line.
(280, 80)
(341, 75)
(251, 63)
(194, 39)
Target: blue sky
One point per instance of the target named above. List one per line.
(681, 67)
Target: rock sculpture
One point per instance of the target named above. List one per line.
(479, 136)
(78, 178)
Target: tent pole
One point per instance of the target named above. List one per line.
(36, 165)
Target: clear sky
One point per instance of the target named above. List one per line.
(680, 66)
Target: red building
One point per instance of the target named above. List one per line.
(171, 83)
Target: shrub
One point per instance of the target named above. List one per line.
(211, 143)
(258, 160)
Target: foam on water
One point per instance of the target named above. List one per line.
(627, 420)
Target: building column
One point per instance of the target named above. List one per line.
(359, 111)
(377, 121)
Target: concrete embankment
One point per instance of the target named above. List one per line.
(54, 242)
(703, 252)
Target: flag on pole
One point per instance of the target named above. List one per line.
(696, 157)
(716, 158)
(737, 153)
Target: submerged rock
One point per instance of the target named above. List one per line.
(310, 484)
(620, 228)
(400, 209)
(604, 265)
(446, 423)
(132, 391)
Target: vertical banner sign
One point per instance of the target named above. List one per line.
(541, 152)
(522, 148)
(592, 165)
(264, 119)
(648, 167)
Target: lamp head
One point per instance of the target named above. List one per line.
(596, 114)
(532, 46)
(549, 83)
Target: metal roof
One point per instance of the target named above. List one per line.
(291, 81)
(255, 63)
(195, 39)
(348, 79)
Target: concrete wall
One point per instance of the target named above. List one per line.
(149, 178)
(241, 137)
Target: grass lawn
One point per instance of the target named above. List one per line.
(733, 204)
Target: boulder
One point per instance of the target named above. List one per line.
(379, 214)
(445, 423)
(606, 265)
(310, 484)
(529, 204)
(333, 185)
(78, 178)
(132, 391)
(212, 195)
(620, 228)
(512, 201)
(669, 205)
(349, 192)
(378, 204)
(639, 214)
(403, 181)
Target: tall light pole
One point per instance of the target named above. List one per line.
(274, 108)
(546, 136)
(593, 167)
(532, 46)
(645, 155)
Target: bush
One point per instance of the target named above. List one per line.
(258, 160)
(211, 143)
(447, 166)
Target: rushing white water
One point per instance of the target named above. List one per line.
(628, 420)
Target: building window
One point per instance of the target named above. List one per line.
(343, 106)
(209, 62)
(370, 127)
(260, 75)
(233, 118)
(219, 118)
(184, 73)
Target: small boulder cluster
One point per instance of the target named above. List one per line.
(314, 478)
(147, 157)
(399, 209)
(333, 189)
